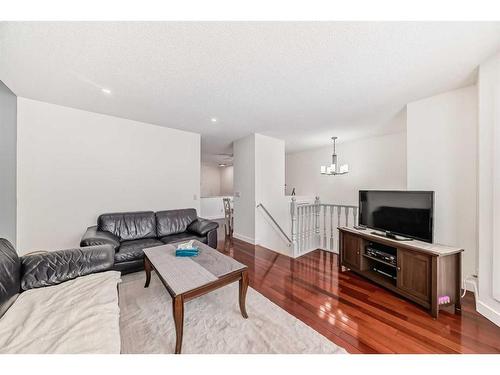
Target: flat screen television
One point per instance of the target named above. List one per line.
(403, 213)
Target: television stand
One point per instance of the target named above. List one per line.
(392, 236)
(428, 274)
(360, 227)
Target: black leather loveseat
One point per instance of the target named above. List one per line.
(131, 232)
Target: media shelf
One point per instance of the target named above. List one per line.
(376, 270)
(379, 279)
(418, 271)
(379, 260)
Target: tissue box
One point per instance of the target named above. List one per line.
(191, 252)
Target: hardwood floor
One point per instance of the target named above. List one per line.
(356, 314)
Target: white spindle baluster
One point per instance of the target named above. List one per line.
(302, 226)
(317, 235)
(324, 226)
(293, 214)
(306, 231)
(339, 210)
(299, 232)
(309, 212)
(311, 228)
(304, 223)
(299, 228)
(331, 226)
(307, 227)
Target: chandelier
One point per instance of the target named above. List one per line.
(334, 169)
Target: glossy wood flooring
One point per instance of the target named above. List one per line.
(356, 314)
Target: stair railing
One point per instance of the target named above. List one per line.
(314, 225)
(289, 241)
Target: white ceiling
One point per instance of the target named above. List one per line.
(299, 81)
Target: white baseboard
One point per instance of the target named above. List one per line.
(310, 250)
(302, 253)
(472, 285)
(329, 250)
(488, 312)
(212, 217)
(244, 238)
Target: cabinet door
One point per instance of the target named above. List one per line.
(414, 274)
(351, 250)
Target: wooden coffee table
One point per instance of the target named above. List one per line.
(187, 278)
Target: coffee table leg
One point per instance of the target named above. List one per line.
(147, 268)
(178, 312)
(243, 293)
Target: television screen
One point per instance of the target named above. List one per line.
(406, 213)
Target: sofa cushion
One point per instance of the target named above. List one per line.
(129, 225)
(10, 271)
(132, 250)
(129, 266)
(174, 221)
(183, 237)
(75, 317)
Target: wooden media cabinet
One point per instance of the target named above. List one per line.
(427, 274)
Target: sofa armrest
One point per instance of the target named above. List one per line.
(201, 227)
(212, 239)
(93, 237)
(55, 267)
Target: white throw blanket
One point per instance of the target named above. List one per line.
(77, 316)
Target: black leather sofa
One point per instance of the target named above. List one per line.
(27, 283)
(131, 232)
(18, 274)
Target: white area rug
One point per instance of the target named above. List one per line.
(212, 323)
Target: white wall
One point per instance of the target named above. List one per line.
(216, 181)
(210, 180)
(259, 177)
(374, 163)
(226, 180)
(74, 165)
(488, 301)
(270, 191)
(442, 151)
(244, 188)
(212, 208)
(8, 129)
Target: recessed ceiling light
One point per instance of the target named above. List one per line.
(213, 119)
(106, 91)
(222, 165)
